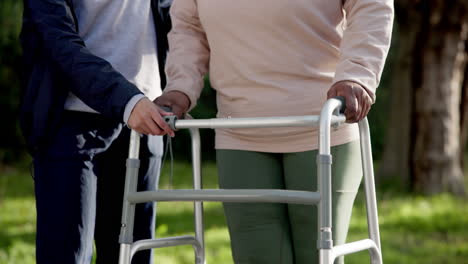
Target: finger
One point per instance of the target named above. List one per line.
(149, 125)
(142, 129)
(153, 128)
(362, 114)
(162, 124)
(368, 106)
(362, 106)
(332, 93)
(136, 125)
(358, 112)
(351, 107)
(360, 102)
(164, 113)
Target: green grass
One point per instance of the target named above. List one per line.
(414, 229)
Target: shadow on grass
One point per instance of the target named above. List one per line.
(183, 222)
(7, 240)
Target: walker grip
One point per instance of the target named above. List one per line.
(170, 120)
(343, 103)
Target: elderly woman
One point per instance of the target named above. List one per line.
(280, 58)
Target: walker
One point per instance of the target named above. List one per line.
(330, 116)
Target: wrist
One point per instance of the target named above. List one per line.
(131, 105)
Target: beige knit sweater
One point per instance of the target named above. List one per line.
(276, 58)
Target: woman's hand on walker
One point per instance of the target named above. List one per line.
(178, 101)
(358, 100)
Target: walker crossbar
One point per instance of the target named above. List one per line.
(328, 118)
(165, 242)
(233, 196)
(259, 122)
(357, 246)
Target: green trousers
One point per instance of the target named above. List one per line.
(281, 233)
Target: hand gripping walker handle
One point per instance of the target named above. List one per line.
(343, 103)
(170, 120)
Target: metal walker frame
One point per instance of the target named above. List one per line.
(329, 117)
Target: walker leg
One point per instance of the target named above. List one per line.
(198, 206)
(128, 211)
(326, 256)
(125, 255)
(376, 256)
(371, 200)
(324, 177)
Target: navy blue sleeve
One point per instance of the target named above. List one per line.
(91, 78)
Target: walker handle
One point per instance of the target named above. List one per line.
(170, 120)
(343, 103)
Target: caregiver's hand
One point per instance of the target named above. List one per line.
(178, 101)
(147, 118)
(358, 100)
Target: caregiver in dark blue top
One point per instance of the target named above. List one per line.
(90, 67)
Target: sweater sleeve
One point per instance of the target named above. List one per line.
(366, 41)
(187, 61)
(91, 78)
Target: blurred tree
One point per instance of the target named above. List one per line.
(11, 144)
(427, 110)
(464, 116)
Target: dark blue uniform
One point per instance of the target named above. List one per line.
(74, 184)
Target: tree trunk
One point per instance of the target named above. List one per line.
(436, 152)
(423, 144)
(464, 117)
(395, 160)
